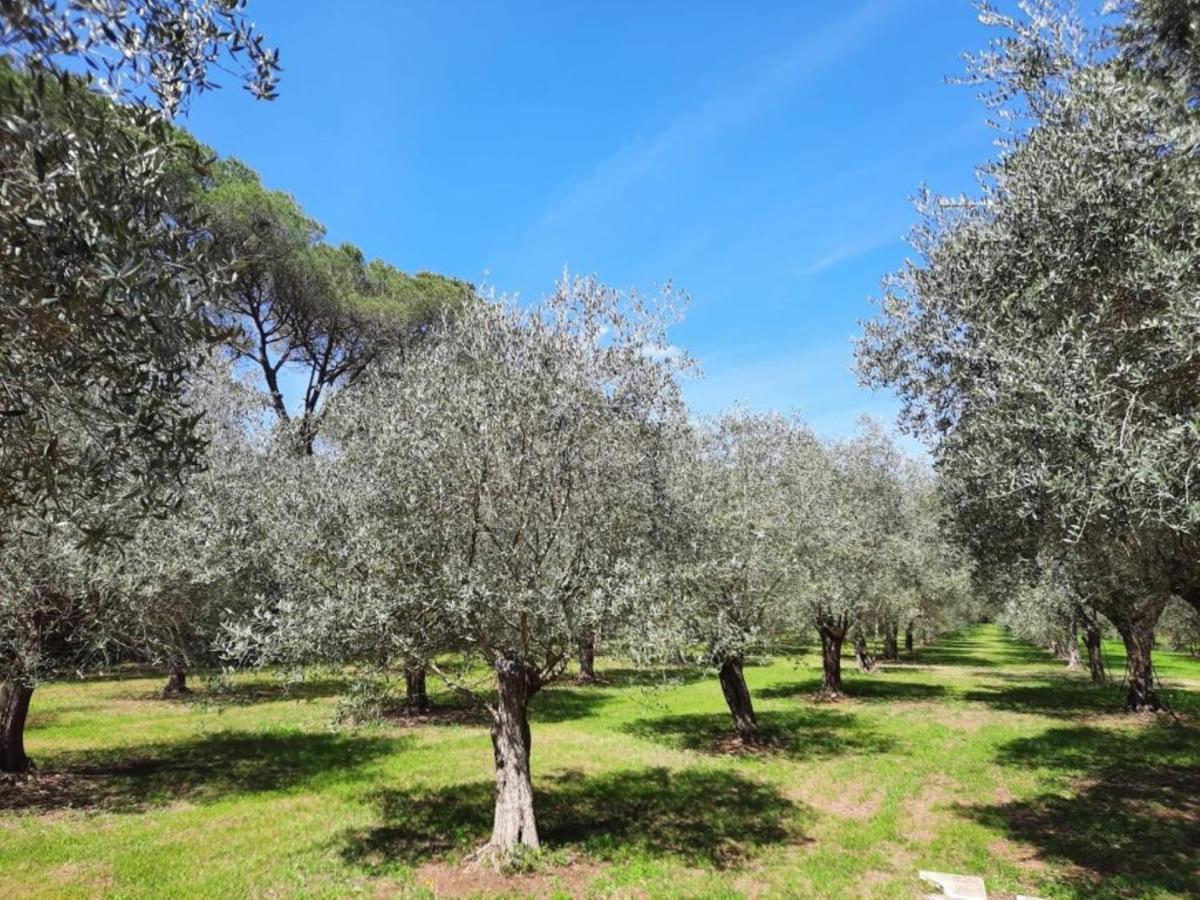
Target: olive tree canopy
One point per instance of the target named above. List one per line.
(1045, 340)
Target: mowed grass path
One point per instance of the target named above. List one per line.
(977, 755)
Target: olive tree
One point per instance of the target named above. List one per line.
(180, 575)
(851, 566)
(104, 273)
(102, 270)
(744, 507)
(516, 467)
(1044, 342)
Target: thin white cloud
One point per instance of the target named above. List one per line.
(720, 114)
(843, 253)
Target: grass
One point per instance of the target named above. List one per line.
(976, 755)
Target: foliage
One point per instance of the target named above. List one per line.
(1044, 343)
(744, 497)
(299, 302)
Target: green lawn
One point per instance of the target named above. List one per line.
(979, 755)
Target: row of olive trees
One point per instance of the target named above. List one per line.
(130, 255)
(104, 267)
(1046, 339)
(482, 507)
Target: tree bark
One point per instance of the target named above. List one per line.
(587, 658)
(737, 695)
(1073, 660)
(861, 654)
(416, 698)
(908, 638)
(832, 634)
(1091, 638)
(891, 649)
(14, 709)
(514, 824)
(1136, 625)
(1072, 646)
(176, 685)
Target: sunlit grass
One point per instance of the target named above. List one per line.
(977, 755)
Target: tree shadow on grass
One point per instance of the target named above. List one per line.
(669, 676)
(972, 652)
(202, 770)
(1128, 820)
(278, 691)
(1067, 695)
(866, 688)
(796, 734)
(1048, 695)
(699, 816)
(562, 704)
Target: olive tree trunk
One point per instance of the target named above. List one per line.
(833, 633)
(587, 658)
(1091, 639)
(861, 654)
(1136, 624)
(416, 697)
(891, 648)
(1072, 647)
(908, 638)
(737, 695)
(513, 825)
(14, 709)
(176, 685)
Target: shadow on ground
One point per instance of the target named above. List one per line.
(972, 652)
(797, 734)
(700, 816)
(266, 692)
(1055, 695)
(670, 676)
(1067, 695)
(1127, 822)
(202, 770)
(865, 687)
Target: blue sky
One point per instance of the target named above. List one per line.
(759, 155)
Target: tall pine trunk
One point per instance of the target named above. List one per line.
(1091, 639)
(832, 633)
(891, 649)
(513, 825)
(176, 685)
(587, 658)
(908, 638)
(14, 709)
(416, 697)
(737, 695)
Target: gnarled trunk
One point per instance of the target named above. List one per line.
(737, 695)
(587, 658)
(832, 632)
(416, 698)
(1072, 646)
(176, 685)
(1091, 639)
(514, 823)
(14, 709)
(1073, 660)
(908, 638)
(891, 649)
(1136, 624)
(861, 654)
